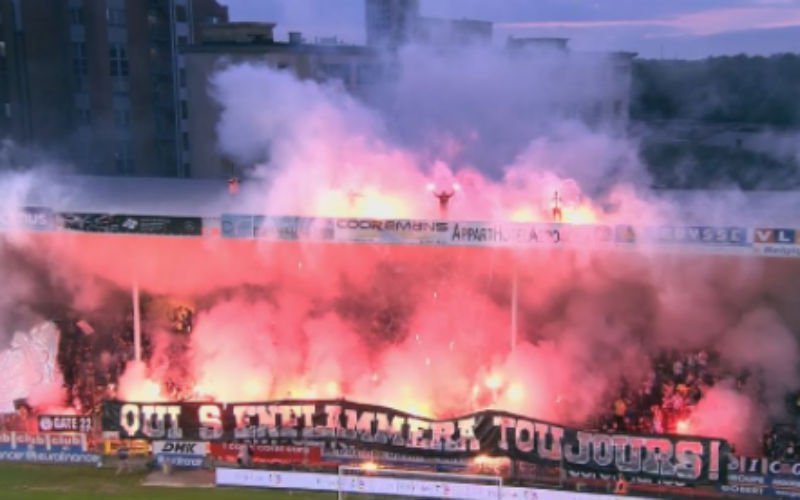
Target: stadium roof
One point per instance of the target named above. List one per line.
(137, 195)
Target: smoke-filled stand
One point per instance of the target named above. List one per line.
(546, 353)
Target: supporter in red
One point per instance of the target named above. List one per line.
(620, 409)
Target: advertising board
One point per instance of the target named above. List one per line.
(29, 219)
(131, 224)
(343, 455)
(407, 487)
(180, 454)
(45, 448)
(763, 477)
(135, 447)
(64, 423)
(391, 231)
(776, 242)
(268, 454)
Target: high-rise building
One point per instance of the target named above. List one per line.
(101, 83)
(14, 121)
(390, 23)
(393, 23)
(452, 32)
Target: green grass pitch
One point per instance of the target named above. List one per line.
(53, 482)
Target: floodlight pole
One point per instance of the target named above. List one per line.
(137, 324)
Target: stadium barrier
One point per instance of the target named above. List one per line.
(330, 483)
(781, 242)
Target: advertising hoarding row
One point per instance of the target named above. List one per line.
(393, 486)
(725, 239)
(763, 241)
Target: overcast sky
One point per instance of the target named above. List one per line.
(654, 28)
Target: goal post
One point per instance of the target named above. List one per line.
(372, 482)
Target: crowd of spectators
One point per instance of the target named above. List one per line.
(782, 442)
(22, 420)
(666, 396)
(91, 364)
(663, 402)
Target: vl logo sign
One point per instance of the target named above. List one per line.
(776, 236)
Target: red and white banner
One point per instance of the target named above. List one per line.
(268, 454)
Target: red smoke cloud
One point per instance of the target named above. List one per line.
(428, 329)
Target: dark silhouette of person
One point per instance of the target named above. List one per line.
(557, 215)
(353, 197)
(233, 185)
(444, 199)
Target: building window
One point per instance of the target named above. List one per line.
(180, 14)
(116, 17)
(80, 63)
(123, 161)
(76, 16)
(185, 136)
(369, 74)
(84, 116)
(184, 110)
(120, 87)
(122, 119)
(7, 109)
(335, 71)
(183, 41)
(81, 83)
(182, 77)
(119, 60)
(2, 49)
